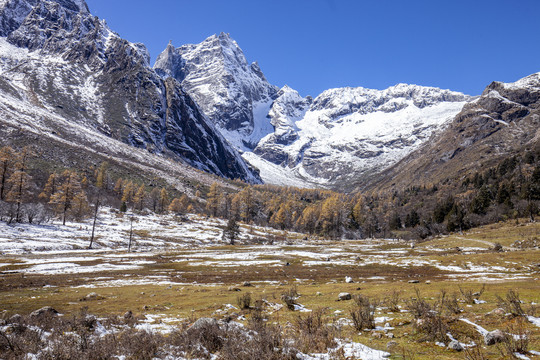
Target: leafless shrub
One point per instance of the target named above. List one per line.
(474, 353)
(266, 342)
(136, 344)
(312, 332)
(77, 337)
(363, 314)
(511, 303)
(469, 295)
(430, 323)
(406, 354)
(516, 340)
(418, 306)
(450, 304)
(17, 340)
(392, 301)
(289, 298)
(244, 301)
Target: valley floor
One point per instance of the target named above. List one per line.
(180, 269)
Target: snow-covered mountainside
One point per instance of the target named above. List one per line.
(330, 141)
(502, 122)
(347, 133)
(59, 61)
(235, 95)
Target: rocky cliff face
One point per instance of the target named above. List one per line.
(346, 134)
(503, 121)
(59, 57)
(331, 141)
(231, 92)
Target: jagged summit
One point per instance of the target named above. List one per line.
(68, 62)
(14, 12)
(342, 134)
(229, 89)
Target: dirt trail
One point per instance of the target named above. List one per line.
(485, 242)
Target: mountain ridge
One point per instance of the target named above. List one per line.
(501, 122)
(296, 140)
(98, 79)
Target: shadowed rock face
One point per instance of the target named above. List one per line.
(89, 75)
(327, 141)
(216, 74)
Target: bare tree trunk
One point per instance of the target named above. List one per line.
(94, 224)
(130, 235)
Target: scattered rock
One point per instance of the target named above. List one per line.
(15, 319)
(318, 293)
(497, 247)
(391, 345)
(390, 335)
(428, 282)
(89, 322)
(455, 345)
(344, 296)
(203, 322)
(44, 311)
(128, 315)
(498, 312)
(494, 337)
(233, 288)
(348, 280)
(247, 284)
(377, 335)
(92, 296)
(414, 281)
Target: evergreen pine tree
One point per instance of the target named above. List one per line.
(212, 200)
(7, 159)
(139, 197)
(163, 200)
(68, 194)
(231, 231)
(50, 187)
(19, 182)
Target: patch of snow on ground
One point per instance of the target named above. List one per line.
(351, 350)
(534, 320)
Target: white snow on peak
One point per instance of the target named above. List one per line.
(347, 132)
(341, 134)
(531, 81)
(231, 92)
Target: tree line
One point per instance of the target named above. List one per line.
(508, 190)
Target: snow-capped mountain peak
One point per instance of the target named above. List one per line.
(78, 69)
(232, 92)
(347, 133)
(341, 134)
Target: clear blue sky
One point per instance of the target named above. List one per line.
(313, 45)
